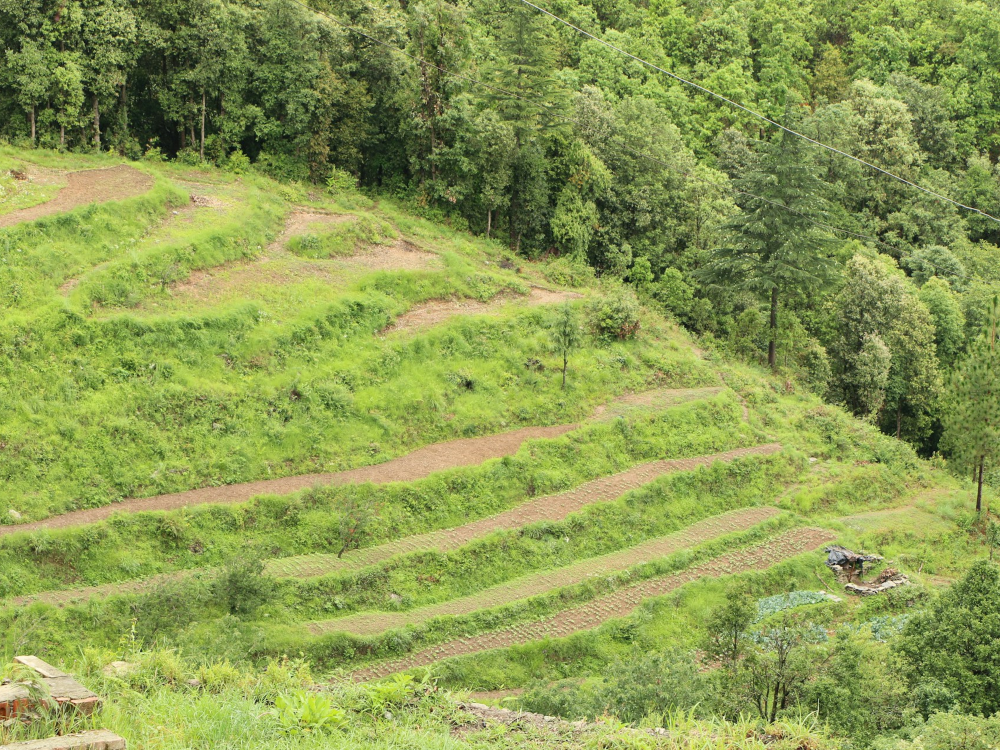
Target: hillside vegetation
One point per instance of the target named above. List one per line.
(179, 340)
(342, 385)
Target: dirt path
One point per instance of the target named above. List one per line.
(547, 508)
(621, 603)
(438, 311)
(545, 581)
(654, 400)
(89, 186)
(416, 465)
(277, 266)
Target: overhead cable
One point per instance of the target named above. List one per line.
(760, 116)
(554, 113)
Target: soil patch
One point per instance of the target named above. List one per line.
(547, 508)
(89, 186)
(399, 256)
(370, 623)
(619, 604)
(303, 222)
(416, 465)
(438, 311)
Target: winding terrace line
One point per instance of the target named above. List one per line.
(546, 508)
(546, 581)
(418, 464)
(618, 604)
(85, 187)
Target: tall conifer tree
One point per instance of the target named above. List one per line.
(772, 250)
(971, 416)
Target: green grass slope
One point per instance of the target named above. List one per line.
(161, 344)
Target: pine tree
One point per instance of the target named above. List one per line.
(971, 417)
(566, 336)
(525, 70)
(773, 250)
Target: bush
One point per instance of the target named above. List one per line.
(303, 713)
(953, 647)
(243, 587)
(615, 316)
(569, 271)
(238, 162)
(341, 181)
(674, 294)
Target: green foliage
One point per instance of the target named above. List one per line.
(970, 417)
(566, 335)
(952, 731)
(862, 693)
(615, 316)
(951, 647)
(345, 239)
(379, 697)
(243, 586)
(304, 713)
(772, 251)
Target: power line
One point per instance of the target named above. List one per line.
(758, 115)
(554, 113)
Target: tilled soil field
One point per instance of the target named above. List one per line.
(621, 603)
(89, 186)
(548, 508)
(416, 465)
(370, 623)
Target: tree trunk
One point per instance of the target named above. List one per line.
(979, 493)
(772, 345)
(565, 362)
(62, 136)
(899, 419)
(124, 103)
(202, 152)
(97, 124)
(489, 222)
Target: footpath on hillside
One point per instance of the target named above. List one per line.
(418, 464)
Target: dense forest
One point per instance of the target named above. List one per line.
(497, 118)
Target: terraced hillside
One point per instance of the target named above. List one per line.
(244, 420)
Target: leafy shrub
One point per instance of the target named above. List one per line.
(673, 293)
(243, 587)
(341, 181)
(615, 316)
(303, 713)
(569, 271)
(189, 157)
(218, 677)
(238, 162)
(381, 696)
(282, 167)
